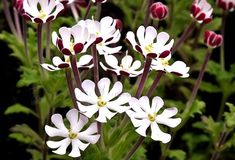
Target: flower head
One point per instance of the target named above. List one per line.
(58, 64)
(41, 11)
(73, 40)
(161, 63)
(143, 115)
(127, 67)
(106, 34)
(212, 39)
(202, 11)
(107, 103)
(146, 44)
(226, 4)
(158, 11)
(18, 4)
(71, 135)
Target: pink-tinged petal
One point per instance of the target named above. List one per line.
(145, 105)
(57, 120)
(72, 116)
(157, 104)
(103, 86)
(142, 129)
(54, 132)
(83, 120)
(111, 61)
(82, 97)
(141, 35)
(150, 34)
(158, 135)
(115, 91)
(162, 38)
(135, 105)
(89, 110)
(65, 34)
(61, 145)
(89, 88)
(92, 129)
(49, 67)
(89, 138)
(75, 152)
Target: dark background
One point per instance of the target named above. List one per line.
(10, 94)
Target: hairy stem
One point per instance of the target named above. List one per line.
(88, 9)
(143, 77)
(134, 148)
(75, 70)
(96, 64)
(74, 12)
(48, 39)
(146, 18)
(25, 41)
(17, 23)
(39, 43)
(154, 84)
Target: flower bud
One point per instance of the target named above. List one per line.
(212, 39)
(201, 10)
(158, 11)
(226, 4)
(18, 4)
(118, 24)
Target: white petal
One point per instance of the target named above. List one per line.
(136, 65)
(116, 105)
(179, 67)
(115, 91)
(89, 138)
(158, 135)
(103, 113)
(82, 97)
(57, 120)
(162, 38)
(49, 67)
(111, 61)
(62, 149)
(65, 34)
(130, 36)
(81, 145)
(72, 116)
(103, 86)
(92, 129)
(75, 152)
(53, 132)
(145, 105)
(57, 61)
(140, 35)
(142, 129)
(88, 111)
(150, 34)
(127, 60)
(84, 60)
(54, 38)
(89, 87)
(157, 104)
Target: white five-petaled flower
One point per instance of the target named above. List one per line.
(161, 63)
(106, 34)
(128, 67)
(72, 135)
(58, 64)
(108, 103)
(142, 116)
(41, 11)
(73, 40)
(146, 44)
(201, 10)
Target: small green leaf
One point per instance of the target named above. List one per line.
(230, 116)
(18, 108)
(177, 154)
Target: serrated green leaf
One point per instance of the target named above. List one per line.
(230, 116)
(19, 108)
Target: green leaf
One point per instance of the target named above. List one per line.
(18, 108)
(36, 154)
(21, 138)
(196, 108)
(177, 154)
(230, 116)
(209, 87)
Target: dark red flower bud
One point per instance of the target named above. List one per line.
(118, 24)
(226, 4)
(212, 39)
(18, 4)
(158, 11)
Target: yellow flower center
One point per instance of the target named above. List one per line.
(151, 117)
(71, 45)
(72, 135)
(42, 14)
(125, 67)
(164, 62)
(101, 102)
(149, 48)
(67, 59)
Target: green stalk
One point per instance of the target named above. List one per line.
(222, 61)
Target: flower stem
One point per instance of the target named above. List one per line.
(71, 87)
(146, 18)
(74, 12)
(134, 148)
(222, 61)
(187, 32)
(48, 39)
(88, 9)
(143, 77)
(39, 43)
(197, 35)
(8, 17)
(17, 23)
(96, 65)
(198, 82)
(154, 84)
(24, 26)
(98, 11)
(73, 60)
(222, 105)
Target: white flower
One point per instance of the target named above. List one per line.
(73, 40)
(226, 4)
(142, 116)
(99, 1)
(161, 63)
(106, 34)
(108, 103)
(41, 11)
(128, 67)
(58, 64)
(72, 135)
(201, 10)
(146, 44)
